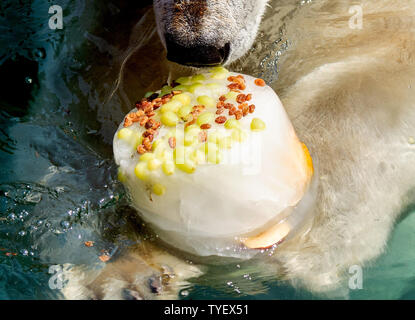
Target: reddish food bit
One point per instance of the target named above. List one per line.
(176, 92)
(190, 122)
(245, 110)
(156, 106)
(243, 105)
(172, 142)
(233, 86)
(199, 107)
(251, 108)
(232, 111)
(143, 120)
(220, 104)
(205, 126)
(104, 257)
(147, 143)
(236, 78)
(228, 106)
(156, 125)
(89, 243)
(148, 133)
(167, 96)
(202, 136)
(222, 98)
(165, 100)
(220, 111)
(157, 100)
(220, 120)
(127, 122)
(259, 82)
(240, 98)
(149, 124)
(150, 114)
(139, 113)
(9, 254)
(238, 115)
(141, 149)
(248, 97)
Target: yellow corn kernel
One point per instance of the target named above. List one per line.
(198, 156)
(214, 137)
(210, 147)
(166, 155)
(182, 87)
(189, 166)
(218, 69)
(165, 90)
(216, 88)
(172, 105)
(130, 136)
(206, 101)
(239, 135)
(206, 117)
(179, 154)
(194, 87)
(159, 189)
(212, 153)
(191, 137)
(214, 157)
(121, 176)
(225, 143)
(183, 98)
(219, 75)
(232, 124)
(169, 119)
(198, 77)
(153, 164)
(141, 171)
(191, 128)
(157, 145)
(231, 95)
(183, 80)
(257, 124)
(171, 133)
(147, 94)
(168, 167)
(147, 157)
(184, 111)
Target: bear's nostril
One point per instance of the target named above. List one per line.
(196, 56)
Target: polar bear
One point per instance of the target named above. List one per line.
(351, 102)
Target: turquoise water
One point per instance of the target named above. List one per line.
(57, 177)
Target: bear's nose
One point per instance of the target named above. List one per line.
(196, 56)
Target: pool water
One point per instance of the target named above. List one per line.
(62, 95)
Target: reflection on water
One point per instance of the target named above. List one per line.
(63, 93)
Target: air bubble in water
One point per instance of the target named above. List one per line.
(22, 233)
(24, 252)
(12, 216)
(65, 224)
(28, 80)
(184, 293)
(39, 53)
